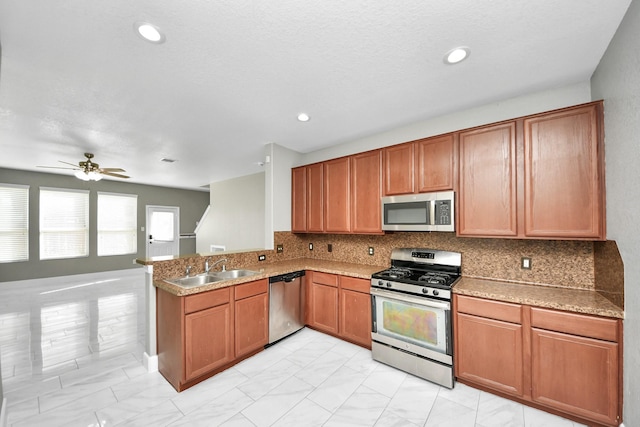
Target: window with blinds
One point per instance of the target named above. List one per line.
(64, 223)
(117, 224)
(14, 223)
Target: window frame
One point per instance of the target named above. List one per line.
(43, 231)
(133, 231)
(22, 233)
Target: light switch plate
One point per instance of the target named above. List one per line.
(525, 263)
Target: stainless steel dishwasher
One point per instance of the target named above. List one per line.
(286, 305)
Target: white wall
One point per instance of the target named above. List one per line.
(494, 112)
(236, 215)
(617, 81)
(278, 189)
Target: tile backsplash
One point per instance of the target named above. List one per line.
(555, 263)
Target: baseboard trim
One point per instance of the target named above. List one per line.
(3, 413)
(150, 364)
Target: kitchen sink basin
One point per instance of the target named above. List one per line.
(193, 281)
(205, 278)
(232, 274)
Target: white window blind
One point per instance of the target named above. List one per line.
(14, 222)
(64, 223)
(117, 224)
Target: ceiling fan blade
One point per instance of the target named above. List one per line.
(56, 167)
(117, 175)
(112, 170)
(67, 163)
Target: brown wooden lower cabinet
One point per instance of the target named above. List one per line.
(565, 362)
(496, 359)
(340, 306)
(201, 334)
(251, 316)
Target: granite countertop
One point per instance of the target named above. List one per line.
(567, 299)
(264, 271)
(560, 298)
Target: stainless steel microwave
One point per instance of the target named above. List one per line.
(419, 212)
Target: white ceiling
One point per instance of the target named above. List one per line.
(233, 74)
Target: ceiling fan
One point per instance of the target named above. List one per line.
(89, 171)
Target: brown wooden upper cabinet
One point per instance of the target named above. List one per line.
(420, 166)
(366, 182)
(337, 212)
(540, 176)
(399, 169)
(487, 195)
(434, 163)
(564, 174)
(338, 196)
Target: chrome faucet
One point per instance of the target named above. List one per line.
(208, 267)
(188, 270)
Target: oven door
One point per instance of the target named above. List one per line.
(415, 324)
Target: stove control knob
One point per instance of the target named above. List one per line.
(435, 293)
(388, 284)
(425, 291)
(380, 283)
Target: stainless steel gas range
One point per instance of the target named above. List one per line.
(411, 313)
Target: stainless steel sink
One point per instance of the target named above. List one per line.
(193, 281)
(232, 274)
(205, 278)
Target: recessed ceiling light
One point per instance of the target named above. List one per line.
(457, 55)
(303, 117)
(149, 32)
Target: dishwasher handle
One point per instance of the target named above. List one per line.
(288, 277)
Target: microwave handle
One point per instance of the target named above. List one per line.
(432, 212)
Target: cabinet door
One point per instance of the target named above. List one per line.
(251, 324)
(487, 197)
(575, 374)
(434, 163)
(398, 170)
(337, 214)
(366, 171)
(315, 211)
(563, 176)
(299, 200)
(355, 317)
(208, 340)
(324, 308)
(489, 352)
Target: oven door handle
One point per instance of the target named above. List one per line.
(428, 302)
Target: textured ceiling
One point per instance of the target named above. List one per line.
(233, 74)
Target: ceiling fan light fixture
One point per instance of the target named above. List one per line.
(88, 176)
(457, 55)
(149, 32)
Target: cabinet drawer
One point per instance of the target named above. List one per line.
(325, 279)
(250, 289)
(206, 299)
(491, 309)
(576, 324)
(355, 284)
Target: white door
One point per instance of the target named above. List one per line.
(163, 231)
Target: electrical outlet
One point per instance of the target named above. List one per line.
(310, 246)
(329, 247)
(525, 263)
(262, 257)
(279, 249)
(371, 251)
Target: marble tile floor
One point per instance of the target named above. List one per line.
(71, 356)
